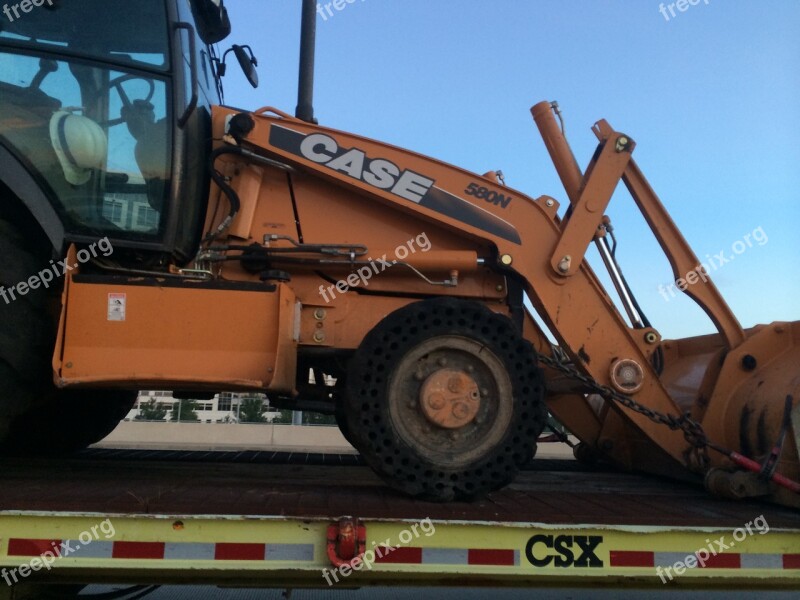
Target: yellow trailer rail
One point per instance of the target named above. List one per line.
(279, 551)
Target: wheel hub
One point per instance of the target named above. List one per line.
(445, 400)
(450, 398)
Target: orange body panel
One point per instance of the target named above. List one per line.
(336, 205)
(152, 334)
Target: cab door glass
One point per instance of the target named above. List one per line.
(84, 93)
(99, 138)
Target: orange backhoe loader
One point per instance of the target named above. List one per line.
(246, 248)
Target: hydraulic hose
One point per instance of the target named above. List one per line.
(232, 196)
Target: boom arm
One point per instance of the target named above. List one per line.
(546, 255)
(585, 210)
(576, 308)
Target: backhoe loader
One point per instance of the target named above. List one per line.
(248, 248)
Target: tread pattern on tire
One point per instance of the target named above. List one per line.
(370, 427)
(37, 418)
(26, 331)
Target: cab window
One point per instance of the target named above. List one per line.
(84, 103)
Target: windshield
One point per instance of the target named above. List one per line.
(84, 104)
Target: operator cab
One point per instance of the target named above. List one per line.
(107, 109)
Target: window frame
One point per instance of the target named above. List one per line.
(73, 231)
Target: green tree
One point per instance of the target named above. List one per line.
(314, 418)
(284, 418)
(252, 410)
(152, 411)
(185, 410)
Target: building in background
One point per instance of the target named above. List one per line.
(223, 408)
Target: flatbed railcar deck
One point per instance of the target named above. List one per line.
(266, 519)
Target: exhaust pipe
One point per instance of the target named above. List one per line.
(308, 41)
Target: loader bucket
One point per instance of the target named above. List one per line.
(734, 395)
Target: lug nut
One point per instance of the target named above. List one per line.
(455, 385)
(436, 401)
(460, 410)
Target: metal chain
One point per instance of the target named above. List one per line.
(692, 430)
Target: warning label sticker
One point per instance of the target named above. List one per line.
(116, 307)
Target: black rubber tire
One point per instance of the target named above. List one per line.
(27, 329)
(35, 417)
(70, 422)
(400, 460)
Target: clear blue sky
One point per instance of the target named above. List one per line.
(712, 97)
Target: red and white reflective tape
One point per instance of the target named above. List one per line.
(727, 560)
(100, 549)
(411, 555)
(617, 558)
(161, 550)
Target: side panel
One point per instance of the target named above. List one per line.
(189, 336)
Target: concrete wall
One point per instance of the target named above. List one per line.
(221, 436)
(282, 438)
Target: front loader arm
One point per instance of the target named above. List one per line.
(545, 253)
(586, 204)
(525, 232)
